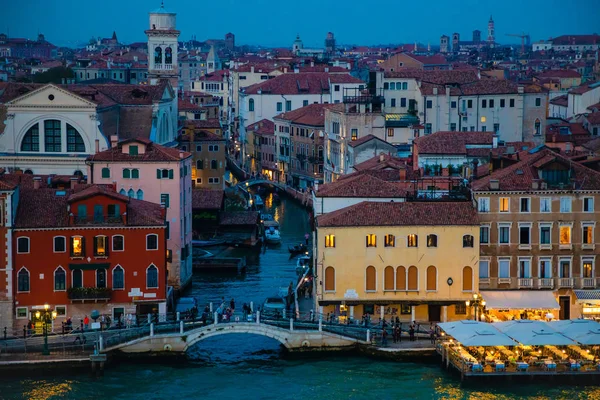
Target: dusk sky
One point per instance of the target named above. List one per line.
(71, 22)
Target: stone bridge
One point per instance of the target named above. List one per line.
(255, 182)
(291, 338)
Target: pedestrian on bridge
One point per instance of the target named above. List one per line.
(384, 337)
(232, 305)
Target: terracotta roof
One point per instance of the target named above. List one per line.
(436, 59)
(183, 105)
(482, 86)
(446, 142)
(520, 176)
(585, 88)
(263, 127)
(153, 153)
(207, 199)
(593, 145)
(216, 76)
(439, 77)
(210, 123)
(300, 83)
(402, 214)
(562, 100)
(566, 40)
(376, 163)
(95, 190)
(239, 218)
(362, 184)
(364, 139)
(593, 118)
(559, 73)
(203, 136)
(312, 114)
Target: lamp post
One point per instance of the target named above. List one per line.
(46, 317)
(477, 301)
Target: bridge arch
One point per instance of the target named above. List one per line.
(279, 334)
(255, 182)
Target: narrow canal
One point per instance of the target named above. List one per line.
(254, 367)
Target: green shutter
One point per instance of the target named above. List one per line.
(135, 173)
(158, 174)
(170, 174)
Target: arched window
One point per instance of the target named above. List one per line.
(168, 55)
(101, 278)
(432, 240)
(77, 278)
(152, 277)
(431, 278)
(52, 136)
(388, 278)
(467, 279)
(199, 164)
(23, 280)
(251, 105)
(538, 126)
(106, 172)
(123, 192)
(78, 173)
(126, 173)
(371, 279)
(74, 141)
(329, 279)
(140, 194)
(413, 278)
(158, 55)
(135, 173)
(118, 278)
(131, 193)
(60, 279)
(400, 278)
(467, 241)
(31, 140)
(152, 242)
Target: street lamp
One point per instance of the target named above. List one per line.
(477, 301)
(46, 317)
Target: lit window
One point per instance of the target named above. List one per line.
(504, 204)
(354, 134)
(588, 268)
(77, 246)
(588, 234)
(468, 241)
(101, 246)
(371, 240)
(413, 241)
(390, 241)
(565, 234)
(329, 240)
(432, 240)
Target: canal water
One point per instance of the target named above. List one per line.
(254, 367)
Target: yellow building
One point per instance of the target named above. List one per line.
(417, 261)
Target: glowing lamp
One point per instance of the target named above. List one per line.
(467, 303)
(46, 307)
(483, 119)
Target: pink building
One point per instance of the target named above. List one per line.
(147, 171)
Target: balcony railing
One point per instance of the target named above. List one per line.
(363, 96)
(163, 67)
(89, 294)
(566, 282)
(545, 283)
(588, 282)
(525, 282)
(97, 219)
(504, 280)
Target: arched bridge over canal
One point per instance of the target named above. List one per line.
(256, 182)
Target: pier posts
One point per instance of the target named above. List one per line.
(100, 343)
(216, 318)
(320, 324)
(291, 324)
(444, 313)
(251, 306)
(149, 318)
(178, 316)
(152, 329)
(181, 327)
(412, 314)
(368, 335)
(257, 317)
(210, 306)
(283, 313)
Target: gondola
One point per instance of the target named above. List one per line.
(301, 248)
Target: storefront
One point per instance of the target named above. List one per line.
(589, 303)
(507, 305)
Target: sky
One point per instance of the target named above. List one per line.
(275, 24)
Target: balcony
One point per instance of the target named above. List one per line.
(163, 67)
(504, 280)
(363, 96)
(545, 283)
(526, 283)
(89, 294)
(588, 283)
(97, 220)
(566, 282)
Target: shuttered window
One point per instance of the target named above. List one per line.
(401, 278)
(388, 278)
(431, 278)
(371, 279)
(467, 279)
(329, 279)
(413, 278)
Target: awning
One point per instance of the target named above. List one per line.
(588, 296)
(584, 331)
(520, 300)
(533, 333)
(474, 333)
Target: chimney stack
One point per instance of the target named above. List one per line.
(494, 184)
(36, 182)
(495, 141)
(181, 154)
(74, 180)
(114, 139)
(381, 157)
(402, 173)
(97, 146)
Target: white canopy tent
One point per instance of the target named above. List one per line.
(474, 333)
(533, 333)
(520, 300)
(584, 331)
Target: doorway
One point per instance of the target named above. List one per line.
(434, 313)
(565, 307)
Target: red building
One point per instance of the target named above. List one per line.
(87, 248)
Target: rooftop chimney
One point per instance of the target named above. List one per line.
(312, 63)
(402, 173)
(74, 180)
(252, 68)
(495, 141)
(381, 157)
(36, 182)
(181, 154)
(494, 184)
(326, 69)
(114, 139)
(97, 146)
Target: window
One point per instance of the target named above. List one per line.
(74, 141)
(389, 240)
(484, 234)
(427, 128)
(118, 278)
(525, 204)
(23, 280)
(504, 268)
(453, 104)
(288, 105)
(60, 244)
(393, 103)
(199, 164)
(22, 312)
(538, 127)
(329, 240)
(213, 164)
(213, 147)
(135, 173)
(400, 278)
(392, 85)
(403, 102)
(588, 204)
(491, 103)
(484, 128)
(484, 269)
(469, 103)
(164, 199)
(105, 172)
(484, 204)
(168, 57)
(588, 234)
(329, 279)
(413, 278)
(432, 240)
(525, 234)
(101, 246)
(504, 234)
(587, 268)
(60, 280)
(198, 148)
(429, 104)
(545, 267)
(511, 103)
(152, 242)
(496, 128)
(564, 268)
(118, 243)
(565, 204)
(453, 126)
(483, 103)
(213, 180)
(77, 246)
(538, 101)
(468, 241)
(101, 278)
(431, 278)
(545, 234)
(304, 103)
(52, 136)
(31, 140)
(467, 279)
(164, 174)
(279, 106)
(545, 204)
(130, 193)
(565, 234)
(371, 240)
(524, 267)
(388, 278)
(504, 204)
(371, 279)
(22, 245)
(251, 105)
(413, 240)
(354, 134)
(460, 309)
(126, 173)
(502, 103)
(390, 132)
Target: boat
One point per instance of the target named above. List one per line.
(266, 217)
(272, 234)
(258, 201)
(303, 264)
(207, 243)
(298, 249)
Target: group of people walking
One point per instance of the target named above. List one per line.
(395, 327)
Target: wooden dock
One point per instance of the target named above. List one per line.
(219, 263)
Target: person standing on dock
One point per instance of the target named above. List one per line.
(384, 337)
(306, 237)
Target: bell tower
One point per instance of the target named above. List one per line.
(491, 39)
(162, 47)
